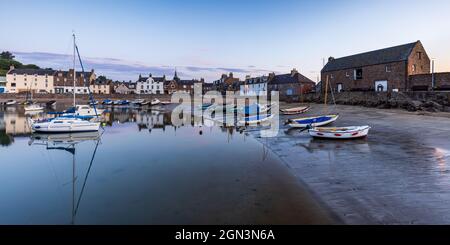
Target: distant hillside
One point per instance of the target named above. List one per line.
(7, 59)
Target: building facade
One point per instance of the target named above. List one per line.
(380, 70)
(30, 80)
(253, 86)
(102, 86)
(2, 85)
(64, 82)
(290, 85)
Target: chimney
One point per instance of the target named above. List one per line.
(231, 75)
(11, 67)
(150, 75)
(330, 59)
(140, 76)
(271, 75)
(293, 72)
(202, 80)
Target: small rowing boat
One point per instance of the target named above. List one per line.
(351, 132)
(34, 107)
(155, 102)
(295, 110)
(255, 119)
(10, 102)
(312, 121)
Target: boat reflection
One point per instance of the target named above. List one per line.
(68, 143)
(353, 145)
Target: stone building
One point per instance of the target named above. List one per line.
(290, 85)
(380, 70)
(64, 81)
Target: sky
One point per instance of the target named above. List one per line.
(203, 39)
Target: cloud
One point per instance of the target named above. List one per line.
(119, 69)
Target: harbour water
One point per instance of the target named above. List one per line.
(143, 170)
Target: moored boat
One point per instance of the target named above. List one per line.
(315, 121)
(351, 132)
(254, 109)
(107, 102)
(295, 110)
(63, 125)
(155, 102)
(33, 107)
(10, 102)
(255, 119)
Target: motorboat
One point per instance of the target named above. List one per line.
(315, 121)
(33, 107)
(63, 125)
(295, 110)
(350, 132)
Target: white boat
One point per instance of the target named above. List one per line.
(351, 132)
(312, 121)
(34, 107)
(87, 111)
(155, 102)
(63, 125)
(166, 102)
(295, 110)
(251, 120)
(10, 102)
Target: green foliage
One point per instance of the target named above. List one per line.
(7, 60)
(7, 55)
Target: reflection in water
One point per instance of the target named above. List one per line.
(329, 145)
(441, 156)
(68, 143)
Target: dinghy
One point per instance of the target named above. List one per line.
(10, 103)
(254, 109)
(63, 125)
(34, 107)
(351, 132)
(155, 102)
(255, 119)
(107, 102)
(312, 121)
(295, 110)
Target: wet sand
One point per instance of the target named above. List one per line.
(400, 174)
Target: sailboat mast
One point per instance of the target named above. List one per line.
(74, 73)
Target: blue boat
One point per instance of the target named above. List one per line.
(312, 121)
(256, 119)
(107, 102)
(254, 109)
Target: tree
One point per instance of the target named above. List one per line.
(7, 55)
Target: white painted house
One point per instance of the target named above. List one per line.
(34, 80)
(150, 85)
(254, 86)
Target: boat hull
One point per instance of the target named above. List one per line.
(340, 133)
(255, 119)
(312, 121)
(294, 111)
(64, 126)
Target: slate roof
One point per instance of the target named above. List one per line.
(39, 72)
(289, 78)
(381, 56)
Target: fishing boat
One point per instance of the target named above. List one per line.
(33, 107)
(351, 132)
(155, 102)
(63, 125)
(315, 121)
(295, 110)
(255, 119)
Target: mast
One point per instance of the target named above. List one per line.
(74, 73)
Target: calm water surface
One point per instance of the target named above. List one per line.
(142, 170)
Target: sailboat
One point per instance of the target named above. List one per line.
(69, 122)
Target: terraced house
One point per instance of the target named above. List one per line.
(34, 80)
(64, 82)
(381, 70)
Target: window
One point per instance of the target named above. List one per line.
(419, 55)
(414, 68)
(289, 91)
(25, 79)
(13, 85)
(388, 68)
(25, 84)
(358, 74)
